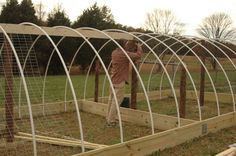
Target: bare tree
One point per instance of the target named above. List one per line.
(217, 26)
(40, 11)
(163, 21)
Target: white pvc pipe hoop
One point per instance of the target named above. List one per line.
(167, 74)
(45, 75)
(225, 74)
(221, 51)
(90, 66)
(143, 61)
(173, 78)
(146, 56)
(88, 71)
(25, 88)
(141, 82)
(103, 90)
(138, 75)
(230, 62)
(162, 75)
(108, 76)
(71, 64)
(150, 75)
(108, 70)
(68, 76)
(180, 63)
(217, 101)
(25, 61)
(182, 59)
(226, 48)
(46, 72)
(104, 81)
(186, 69)
(79, 34)
(148, 86)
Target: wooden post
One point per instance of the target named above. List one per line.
(7, 65)
(134, 88)
(182, 104)
(97, 66)
(202, 82)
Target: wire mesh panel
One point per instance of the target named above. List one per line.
(16, 130)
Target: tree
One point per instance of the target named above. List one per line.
(13, 12)
(58, 17)
(96, 17)
(164, 22)
(100, 18)
(10, 12)
(40, 13)
(217, 26)
(27, 12)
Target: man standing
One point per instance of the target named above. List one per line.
(120, 75)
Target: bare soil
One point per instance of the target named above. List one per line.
(66, 124)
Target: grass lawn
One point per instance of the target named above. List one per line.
(55, 86)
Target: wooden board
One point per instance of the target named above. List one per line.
(152, 95)
(210, 96)
(166, 139)
(162, 122)
(37, 109)
(58, 141)
(229, 152)
(26, 29)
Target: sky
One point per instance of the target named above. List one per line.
(133, 12)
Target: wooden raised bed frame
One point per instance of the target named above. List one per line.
(170, 137)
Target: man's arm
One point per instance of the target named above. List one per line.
(136, 55)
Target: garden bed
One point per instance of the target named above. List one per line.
(66, 125)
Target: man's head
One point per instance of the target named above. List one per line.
(131, 46)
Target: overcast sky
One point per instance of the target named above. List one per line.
(133, 12)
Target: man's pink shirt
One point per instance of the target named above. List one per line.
(120, 65)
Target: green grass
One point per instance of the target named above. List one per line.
(54, 90)
(56, 86)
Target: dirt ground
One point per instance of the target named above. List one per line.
(95, 131)
(66, 124)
